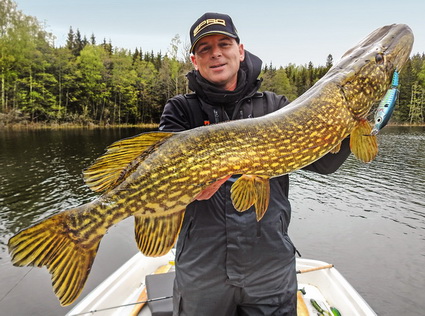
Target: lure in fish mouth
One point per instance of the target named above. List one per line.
(386, 106)
(154, 176)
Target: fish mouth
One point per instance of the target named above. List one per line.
(371, 65)
(401, 45)
(394, 41)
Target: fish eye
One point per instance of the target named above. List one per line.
(379, 58)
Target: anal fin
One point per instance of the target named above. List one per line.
(157, 234)
(251, 190)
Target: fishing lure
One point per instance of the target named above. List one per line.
(386, 106)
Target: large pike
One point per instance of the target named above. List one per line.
(154, 176)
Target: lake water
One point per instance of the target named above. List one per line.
(366, 219)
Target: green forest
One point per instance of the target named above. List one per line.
(87, 82)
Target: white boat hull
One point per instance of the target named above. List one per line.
(118, 293)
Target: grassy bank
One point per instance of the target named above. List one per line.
(35, 126)
(43, 125)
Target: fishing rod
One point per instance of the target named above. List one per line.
(327, 266)
(123, 305)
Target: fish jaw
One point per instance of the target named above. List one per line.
(364, 73)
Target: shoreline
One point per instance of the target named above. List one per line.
(53, 126)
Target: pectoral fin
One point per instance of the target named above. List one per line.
(156, 235)
(251, 190)
(362, 144)
(211, 189)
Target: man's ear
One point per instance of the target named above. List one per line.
(241, 52)
(194, 63)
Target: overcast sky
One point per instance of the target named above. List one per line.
(278, 31)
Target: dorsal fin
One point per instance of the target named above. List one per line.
(120, 159)
(157, 234)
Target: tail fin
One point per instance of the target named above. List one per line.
(55, 244)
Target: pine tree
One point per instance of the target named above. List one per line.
(92, 39)
(329, 61)
(416, 113)
(70, 41)
(79, 43)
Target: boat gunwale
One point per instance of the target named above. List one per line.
(129, 280)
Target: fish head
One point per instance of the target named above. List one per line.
(364, 73)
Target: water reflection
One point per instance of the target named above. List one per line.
(368, 219)
(41, 172)
(393, 182)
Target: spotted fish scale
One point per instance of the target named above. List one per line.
(154, 176)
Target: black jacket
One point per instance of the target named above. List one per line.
(216, 241)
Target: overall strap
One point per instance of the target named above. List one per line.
(202, 113)
(197, 116)
(259, 104)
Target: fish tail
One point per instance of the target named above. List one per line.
(55, 244)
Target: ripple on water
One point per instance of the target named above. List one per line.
(368, 219)
(391, 186)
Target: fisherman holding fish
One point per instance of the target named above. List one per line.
(227, 262)
(226, 183)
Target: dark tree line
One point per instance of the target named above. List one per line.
(85, 82)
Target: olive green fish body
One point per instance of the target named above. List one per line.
(190, 161)
(154, 176)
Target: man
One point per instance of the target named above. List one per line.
(227, 263)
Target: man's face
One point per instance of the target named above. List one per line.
(217, 58)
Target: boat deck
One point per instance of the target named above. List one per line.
(119, 292)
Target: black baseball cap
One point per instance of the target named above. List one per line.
(212, 23)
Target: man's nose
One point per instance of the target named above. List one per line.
(216, 51)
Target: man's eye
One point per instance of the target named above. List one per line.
(203, 49)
